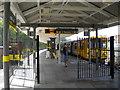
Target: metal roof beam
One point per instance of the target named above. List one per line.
(39, 9)
(1, 8)
(100, 9)
(17, 9)
(56, 15)
(52, 19)
(63, 25)
(73, 8)
(30, 11)
(90, 8)
(34, 21)
(58, 8)
(71, 15)
(111, 21)
(33, 17)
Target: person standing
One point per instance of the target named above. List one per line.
(65, 54)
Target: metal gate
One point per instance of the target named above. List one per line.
(96, 66)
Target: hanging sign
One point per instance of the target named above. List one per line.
(61, 31)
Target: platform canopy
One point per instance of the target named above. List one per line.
(65, 12)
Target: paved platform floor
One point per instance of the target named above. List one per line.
(22, 76)
(54, 75)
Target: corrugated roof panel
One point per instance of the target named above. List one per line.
(98, 4)
(76, 4)
(100, 17)
(113, 9)
(27, 5)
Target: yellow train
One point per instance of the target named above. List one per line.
(81, 48)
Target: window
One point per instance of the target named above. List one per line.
(93, 44)
(82, 45)
(75, 45)
(103, 43)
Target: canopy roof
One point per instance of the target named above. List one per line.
(65, 12)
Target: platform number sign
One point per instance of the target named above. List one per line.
(61, 31)
(66, 31)
(49, 31)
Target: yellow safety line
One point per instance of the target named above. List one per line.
(55, 55)
(49, 47)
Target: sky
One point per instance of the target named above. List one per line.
(107, 32)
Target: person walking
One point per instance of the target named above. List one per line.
(65, 54)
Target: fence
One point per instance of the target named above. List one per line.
(96, 62)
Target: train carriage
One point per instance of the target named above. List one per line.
(81, 48)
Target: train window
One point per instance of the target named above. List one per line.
(82, 45)
(103, 43)
(75, 45)
(93, 43)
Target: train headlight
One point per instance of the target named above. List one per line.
(104, 53)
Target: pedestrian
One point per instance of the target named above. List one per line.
(65, 54)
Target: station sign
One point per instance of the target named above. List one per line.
(49, 31)
(12, 20)
(66, 31)
(61, 31)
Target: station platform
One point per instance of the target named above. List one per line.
(54, 75)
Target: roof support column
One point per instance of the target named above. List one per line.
(38, 63)
(97, 43)
(34, 50)
(6, 44)
(59, 54)
(28, 48)
(89, 46)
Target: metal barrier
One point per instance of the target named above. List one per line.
(21, 62)
(88, 68)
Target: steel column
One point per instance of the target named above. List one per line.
(78, 61)
(89, 42)
(38, 69)
(59, 54)
(112, 57)
(89, 46)
(6, 44)
(34, 54)
(28, 50)
(97, 49)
